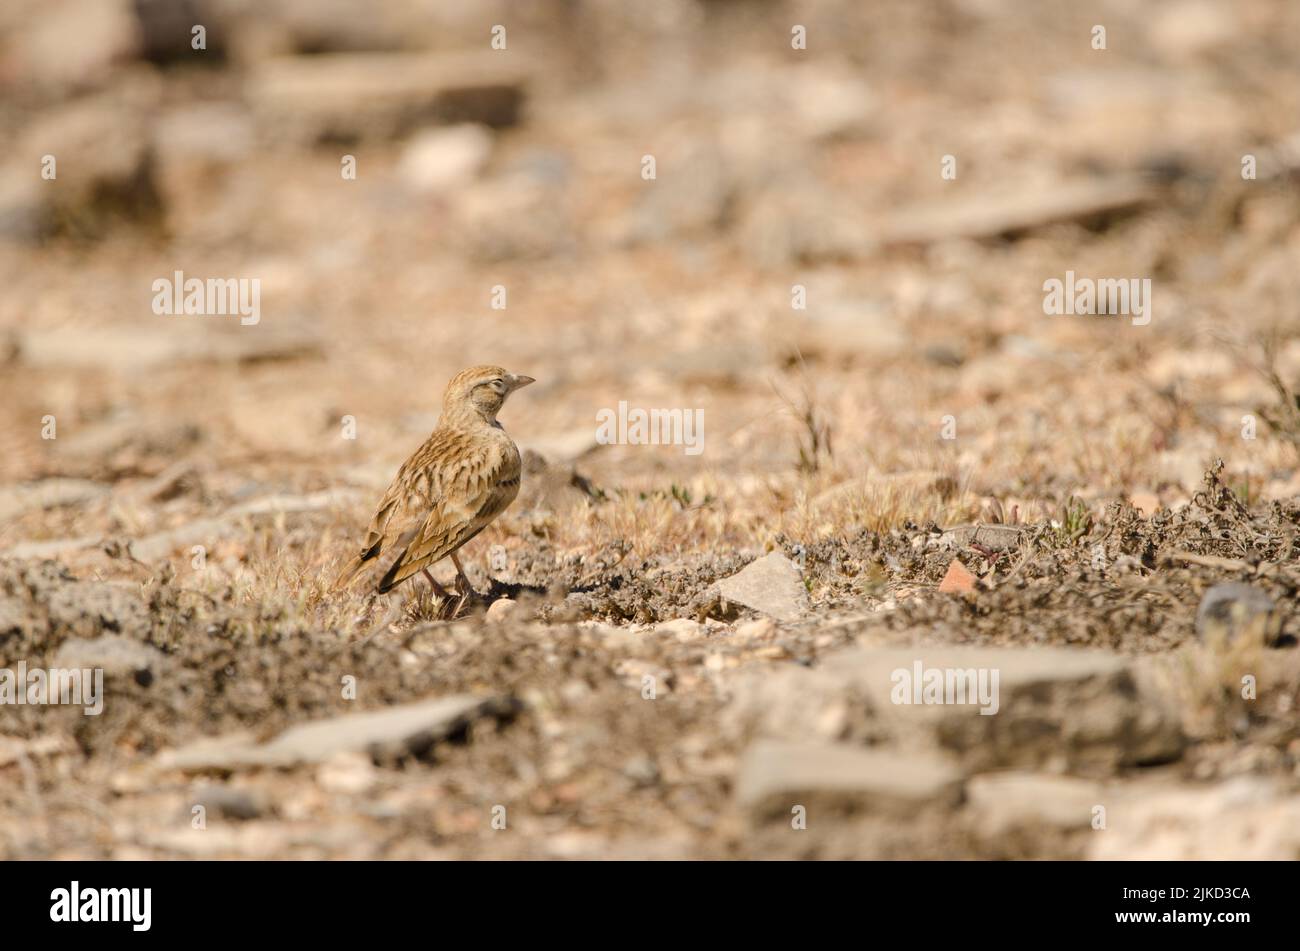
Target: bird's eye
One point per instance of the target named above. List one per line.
(498, 385)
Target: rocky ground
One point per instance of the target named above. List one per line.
(905, 461)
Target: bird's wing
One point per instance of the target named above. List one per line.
(474, 489)
(405, 503)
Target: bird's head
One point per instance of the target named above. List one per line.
(477, 394)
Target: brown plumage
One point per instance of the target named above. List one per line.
(452, 487)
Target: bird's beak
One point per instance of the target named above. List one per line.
(517, 381)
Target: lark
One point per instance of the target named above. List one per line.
(452, 487)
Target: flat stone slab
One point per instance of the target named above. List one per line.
(1016, 666)
(772, 585)
(385, 95)
(114, 654)
(1014, 210)
(776, 776)
(1246, 818)
(48, 494)
(992, 537)
(992, 708)
(409, 729)
(1032, 802)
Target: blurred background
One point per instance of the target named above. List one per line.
(480, 170)
(840, 260)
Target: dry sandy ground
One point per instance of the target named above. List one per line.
(202, 486)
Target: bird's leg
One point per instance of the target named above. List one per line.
(438, 589)
(463, 587)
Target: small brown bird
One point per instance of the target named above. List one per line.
(452, 487)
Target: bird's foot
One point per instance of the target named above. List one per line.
(449, 608)
(439, 591)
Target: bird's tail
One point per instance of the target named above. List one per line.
(349, 573)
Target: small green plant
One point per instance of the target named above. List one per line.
(1074, 520)
(1242, 491)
